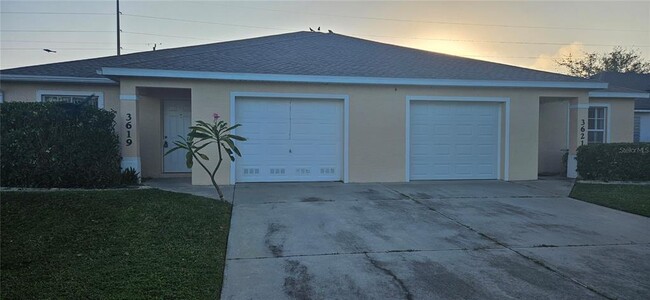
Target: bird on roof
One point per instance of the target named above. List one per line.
(49, 50)
(318, 28)
(310, 29)
(330, 31)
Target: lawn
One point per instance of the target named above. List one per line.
(112, 245)
(630, 198)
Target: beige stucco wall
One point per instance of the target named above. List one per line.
(377, 121)
(622, 118)
(19, 91)
(377, 126)
(150, 120)
(553, 118)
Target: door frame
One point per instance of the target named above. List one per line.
(505, 153)
(162, 134)
(298, 96)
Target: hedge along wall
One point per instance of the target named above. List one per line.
(58, 145)
(620, 161)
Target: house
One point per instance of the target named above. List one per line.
(329, 107)
(633, 85)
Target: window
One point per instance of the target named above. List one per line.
(75, 97)
(597, 127)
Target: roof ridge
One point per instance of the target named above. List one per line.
(460, 57)
(235, 47)
(101, 58)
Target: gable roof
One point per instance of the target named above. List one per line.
(628, 85)
(640, 82)
(315, 54)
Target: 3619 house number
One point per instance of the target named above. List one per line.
(129, 140)
(582, 132)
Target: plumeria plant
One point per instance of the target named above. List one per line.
(204, 134)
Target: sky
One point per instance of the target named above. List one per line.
(521, 33)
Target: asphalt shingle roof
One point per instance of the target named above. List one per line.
(303, 53)
(628, 82)
(639, 82)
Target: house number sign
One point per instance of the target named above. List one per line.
(582, 132)
(129, 140)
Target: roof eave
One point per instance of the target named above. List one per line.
(597, 94)
(56, 79)
(130, 72)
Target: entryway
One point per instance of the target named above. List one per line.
(177, 118)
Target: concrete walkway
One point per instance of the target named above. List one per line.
(184, 185)
(430, 240)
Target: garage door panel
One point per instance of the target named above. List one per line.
(290, 140)
(454, 140)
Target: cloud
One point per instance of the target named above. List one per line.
(546, 62)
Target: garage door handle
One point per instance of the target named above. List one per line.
(289, 150)
(165, 145)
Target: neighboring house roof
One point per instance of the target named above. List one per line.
(634, 85)
(628, 80)
(642, 104)
(319, 55)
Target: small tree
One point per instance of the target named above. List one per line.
(204, 134)
(618, 60)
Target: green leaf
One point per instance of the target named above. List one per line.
(182, 145)
(196, 134)
(188, 160)
(236, 137)
(234, 148)
(231, 128)
(198, 148)
(228, 141)
(203, 156)
(172, 150)
(232, 158)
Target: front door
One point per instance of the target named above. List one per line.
(177, 118)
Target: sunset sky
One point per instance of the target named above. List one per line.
(528, 34)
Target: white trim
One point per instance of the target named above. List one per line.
(346, 121)
(65, 79)
(100, 95)
(128, 97)
(608, 122)
(642, 110)
(580, 106)
(597, 94)
(506, 154)
(128, 72)
(568, 126)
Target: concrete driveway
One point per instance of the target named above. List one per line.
(424, 240)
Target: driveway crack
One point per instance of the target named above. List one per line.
(400, 283)
(494, 240)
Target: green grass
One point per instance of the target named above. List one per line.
(112, 245)
(630, 198)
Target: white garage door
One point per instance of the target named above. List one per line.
(454, 140)
(289, 140)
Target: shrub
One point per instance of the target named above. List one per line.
(130, 177)
(58, 145)
(621, 161)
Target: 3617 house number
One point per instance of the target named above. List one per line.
(582, 132)
(129, 140)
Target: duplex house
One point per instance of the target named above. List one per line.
(329, 107)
